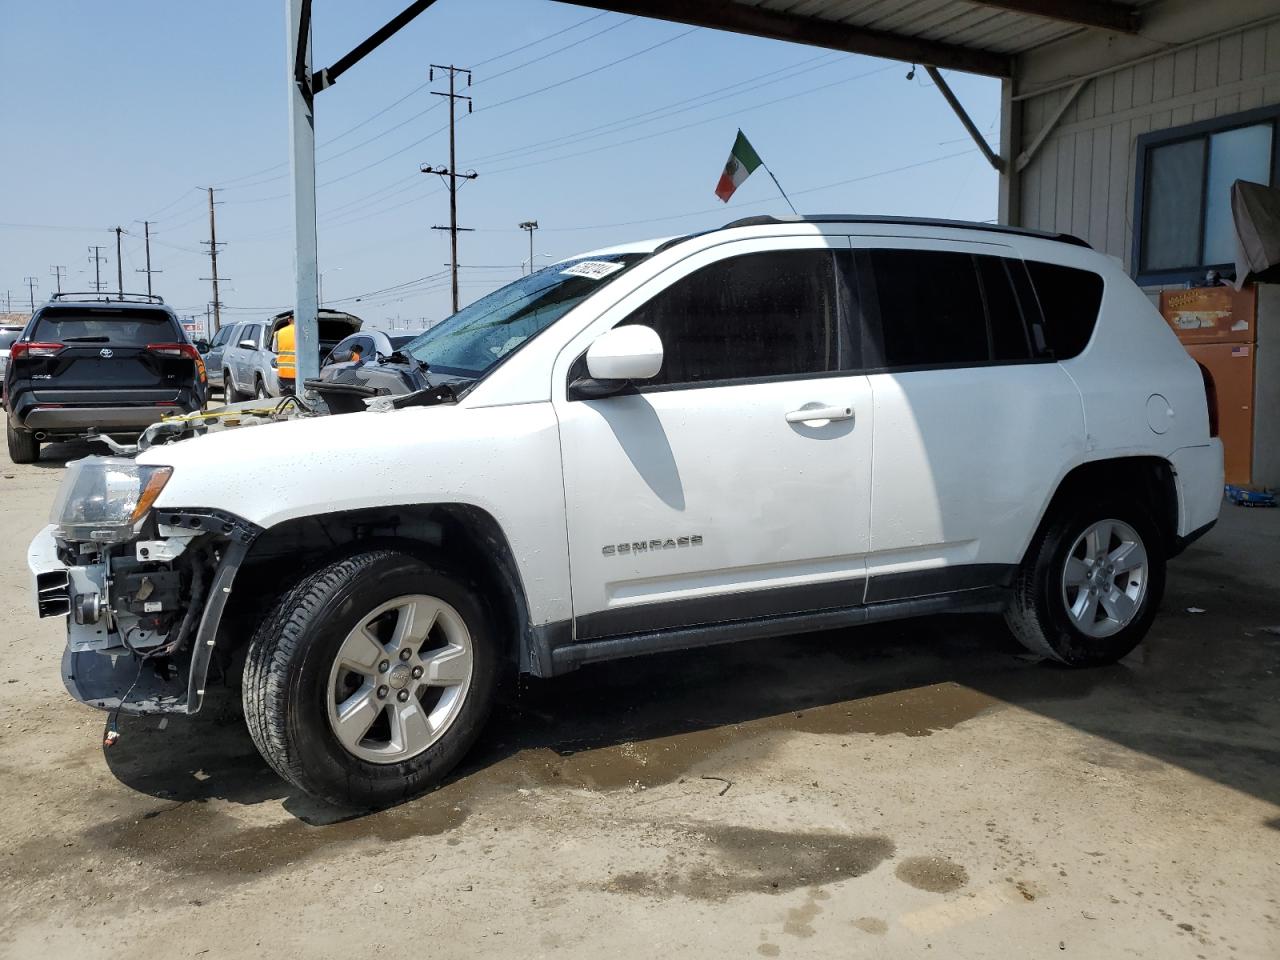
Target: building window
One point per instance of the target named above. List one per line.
(1183, 225)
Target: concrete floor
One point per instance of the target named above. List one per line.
(920, 789)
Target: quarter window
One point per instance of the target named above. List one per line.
(769, 314)
(1070, 300)
(939, 308)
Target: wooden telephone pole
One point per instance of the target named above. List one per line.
(450, 173)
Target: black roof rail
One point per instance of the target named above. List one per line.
(108, 297)
(766, 219)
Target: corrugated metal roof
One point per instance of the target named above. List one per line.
(978, 35)
(978, 26)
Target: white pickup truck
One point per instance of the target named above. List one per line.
(783, 425)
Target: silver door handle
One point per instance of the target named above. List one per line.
(808, 414)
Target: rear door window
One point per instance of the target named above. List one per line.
(941, 308)
(118, 327)
(7, 337)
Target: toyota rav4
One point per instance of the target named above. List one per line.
(90, 361)
(783, 425)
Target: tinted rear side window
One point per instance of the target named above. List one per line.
(1069, 299)
(120, 327)
(939, 308)
(757, 315)
(1008, 333)
(7, 337)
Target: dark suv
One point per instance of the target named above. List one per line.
(88, 361)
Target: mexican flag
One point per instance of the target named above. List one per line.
(743, 161)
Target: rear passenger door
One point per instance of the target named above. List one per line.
(974, 421)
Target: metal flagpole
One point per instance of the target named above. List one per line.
(780, 190)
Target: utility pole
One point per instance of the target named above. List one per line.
(8, 302)
(58, 271)
(450, 173)
(530, 225)
(212, 244)
(119, 265)
(146, 233)
(96, 259)
(31, 291)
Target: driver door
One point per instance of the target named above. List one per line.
(736, 484)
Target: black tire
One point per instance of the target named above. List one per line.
(286, 679)
(260, 390)
(1038, 615)
(23, 446)
(229, 392)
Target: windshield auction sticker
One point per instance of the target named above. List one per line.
(592, 269)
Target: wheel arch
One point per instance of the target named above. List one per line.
(1150, 477)
(454, 536)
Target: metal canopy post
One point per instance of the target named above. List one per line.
(303, 86)
(302, 159)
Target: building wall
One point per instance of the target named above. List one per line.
(1082, 179)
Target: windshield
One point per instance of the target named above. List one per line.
(480, 335)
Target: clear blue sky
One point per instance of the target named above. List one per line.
(116, 112)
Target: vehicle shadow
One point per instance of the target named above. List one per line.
(56, 455)
(1207, 707)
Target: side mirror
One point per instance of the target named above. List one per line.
(617, 358)
(340, 356)
(247, 345)
(625, 353)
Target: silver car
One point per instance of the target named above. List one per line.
(249, 362)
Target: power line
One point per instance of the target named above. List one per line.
(695, 123)
(594, 70)
(419, 88)
(552, 53)
(753, 83)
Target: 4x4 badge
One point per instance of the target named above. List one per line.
(105, 353)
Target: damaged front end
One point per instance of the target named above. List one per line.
(142, 589)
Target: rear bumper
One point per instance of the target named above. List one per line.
(65, 420)
(1199, 478)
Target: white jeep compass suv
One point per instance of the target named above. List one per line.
(783, 425)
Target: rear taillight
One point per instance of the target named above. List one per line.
(1210, 399)
(178, 350)
(28, 349)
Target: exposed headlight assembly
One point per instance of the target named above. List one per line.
(104, 499)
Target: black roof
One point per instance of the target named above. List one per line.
(907, 221)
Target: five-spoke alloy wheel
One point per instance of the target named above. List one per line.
(1090, 585)
(371, 678)
(400, 678)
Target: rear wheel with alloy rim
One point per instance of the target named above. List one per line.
(371, 679)
(1091, 584)
(260, 390)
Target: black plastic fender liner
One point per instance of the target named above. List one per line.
(206, 635)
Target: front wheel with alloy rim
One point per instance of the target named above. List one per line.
(371, 679)
(1091, 584)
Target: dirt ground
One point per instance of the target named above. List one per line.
(916, 790)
